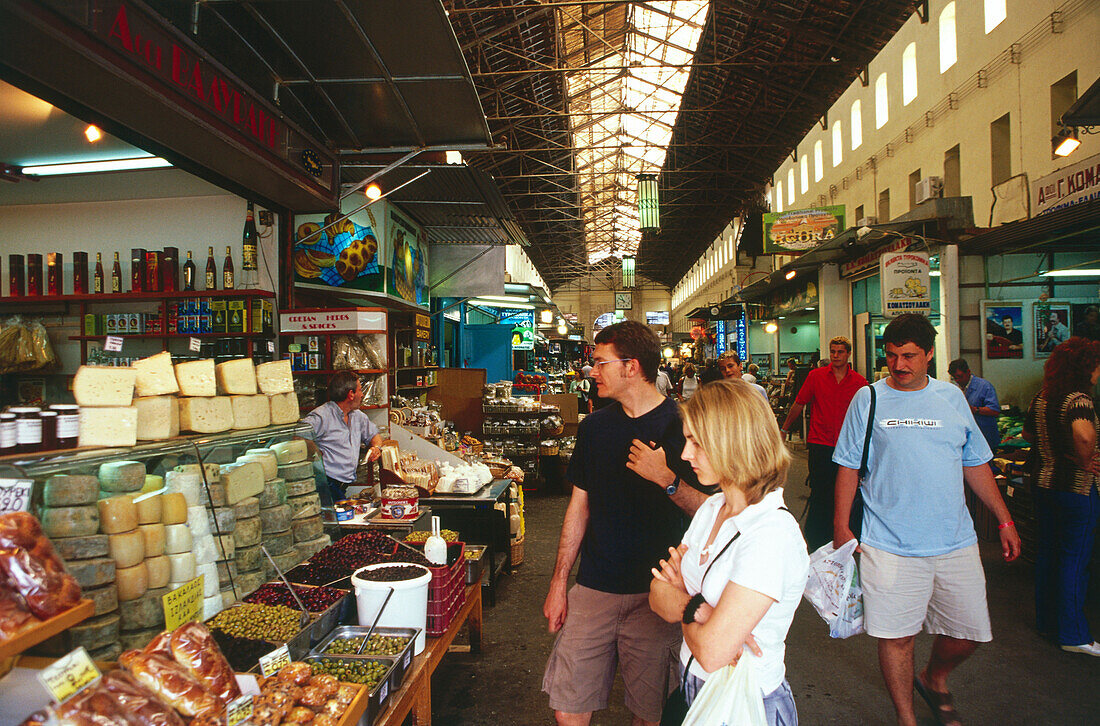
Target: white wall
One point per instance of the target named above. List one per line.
(518, 268)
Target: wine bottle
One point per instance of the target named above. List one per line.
(97, 284)
(227, 269)
(189, 273)
(211, 270)
(250, 241)
(116, 276)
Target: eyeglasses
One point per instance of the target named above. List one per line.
(599, 363)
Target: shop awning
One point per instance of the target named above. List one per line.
(1070, 229)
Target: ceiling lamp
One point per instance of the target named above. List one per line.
(668, 353)
(628, 271)
(546, 316)
(771, 327)
(88, 167)
(1065, 142)
(453, 157)
(92, 134)
(790, 274)
(562, 330)
(373, 192)
(649, 212)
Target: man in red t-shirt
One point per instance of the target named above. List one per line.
(830, 390)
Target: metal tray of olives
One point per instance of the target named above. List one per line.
(381, 691)
(403, 658)
(339, 612)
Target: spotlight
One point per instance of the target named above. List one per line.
(790, 274)
(771, 328)
(92, 134)
(453, 157)
(373, 191)
(667, 353)
(562, 330)
(1065, 142)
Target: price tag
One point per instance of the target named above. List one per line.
(383, 692)
(195, 345)
(69, 675)
(1010, 491)
(113, 343)
(271, 346)
(183, 604)
(274, 661)
(15, 494)
(238, 711)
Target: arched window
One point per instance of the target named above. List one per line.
(882, 102)
(819, 160)
(778, 197)
(857, 124)
(948, 53)
(790, 186)
(838, 144)
(909, 74)
(804, 174)
(995, 12)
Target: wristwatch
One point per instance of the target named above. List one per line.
(671, 488)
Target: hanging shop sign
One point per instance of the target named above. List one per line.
(332, 321)
(1071, 185)
(787, 299)
(742, 338)
(720, 337)
(408, 245)
(869, 260)
(905, 283)
(799, 231)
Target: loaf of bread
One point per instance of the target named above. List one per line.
(139, 702)
(170, 682)
(194, 648)
(30, 567)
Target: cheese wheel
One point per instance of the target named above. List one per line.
(248, 559)
(126, 548)
(81, 548)
(70, 490)
(225, 571)
(197, 522)
(132, 582)
(211, 470)
(265, 458)
(248, 532)
(117, 514)
(248, 582)
(286, 561)
(69, 521)
(196, 378)
(224, 547)
(149, 508)
(154, 537)
(279, 542)
(121, 476)
(308, 548)
(92, 573)
(284, 408)
(250, 412)
(307, 529)
(307, 505)
(108, 426)
(177, 538)
(277, 519)
(222, 520)
(274, 494)
(158, 418)
(229, 596)
(246, 508)
(107, 654)
(210, 583)
(295, 472)
(153, 483)
(211, 606)
(181, 567)
(104, 599)
(290, 452)
(138, 639)
(104, 385)
(186, 483)
(143, 612)
(242, 481)
(158, 571)
(94, 633)
(275, 377)
(204, 551)
(173, 508)
(300, 487)
(155, 376)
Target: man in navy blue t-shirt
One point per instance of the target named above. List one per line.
(632, 500)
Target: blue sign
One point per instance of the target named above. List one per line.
(720, 345)
(742, 339)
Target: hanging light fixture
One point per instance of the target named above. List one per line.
(1065, 142)
(649, 212)
(628, 271)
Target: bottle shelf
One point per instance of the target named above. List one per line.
(162, 336)
(329, 372)
(124, 297)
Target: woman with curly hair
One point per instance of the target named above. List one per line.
(1062, 425)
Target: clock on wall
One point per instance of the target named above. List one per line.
(624, 301)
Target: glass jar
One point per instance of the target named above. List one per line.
(48, 420)
(28, 429)
(7, 433)
(68, 424)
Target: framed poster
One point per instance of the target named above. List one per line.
(1052, 326)
(1086, 317)
(1003, 329)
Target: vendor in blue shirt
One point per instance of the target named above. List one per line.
(982, 398)
(340, 428)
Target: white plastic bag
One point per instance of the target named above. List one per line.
(832, 587)
(730, 696)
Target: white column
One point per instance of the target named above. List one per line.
(833, 302)
(948, 349)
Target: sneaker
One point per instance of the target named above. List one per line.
(1092, 648)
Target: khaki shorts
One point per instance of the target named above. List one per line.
(603, 630)
(944, 593)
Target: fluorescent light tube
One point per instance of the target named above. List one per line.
(1079, 272)
(495, 304)
(90, 167)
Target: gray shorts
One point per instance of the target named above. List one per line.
(944, 593)
(603, 631)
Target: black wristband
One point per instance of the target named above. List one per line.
(692, 605)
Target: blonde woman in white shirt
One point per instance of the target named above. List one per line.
(752, 546)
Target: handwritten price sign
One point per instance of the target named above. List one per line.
(113, 343)
(15, 495)
(69, 675)
(183, 604)
(274, 661)
(238, 711)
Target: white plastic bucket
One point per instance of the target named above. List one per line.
(408, 608)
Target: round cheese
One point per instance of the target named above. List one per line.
(121, 476)
(153, 483)
(212, 470)
(249, 507)
(80, 548)
(276, 519)
(177, 538)
(92, 573)
(186, 483)
(137, 639)
(290, 452)
(149, 508)
(225, 571)
(274, 494)
(154, 537)
(132, 582)
(265, 458)
(70, 490)
(248, 582)
(248, 559)
(158, 570)
(222, 520)
(285, 561)
(173, 508)
(248, 532)
(181, 567)
(211, 606)
(117, 514)
(107, 654)
(311, 547)
(300, 487)
(126, 548)
(198, 521)
(142, 612)
(94, 633)
(224, 547)
(307, 505)
(294, 472)
(104, 598)
(204, 550)
(278, 543)
(210, 582)
(229, 596)
(70, 521)
(307, 529)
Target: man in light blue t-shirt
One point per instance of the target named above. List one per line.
(920, 563)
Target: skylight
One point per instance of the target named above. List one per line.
(625, 97)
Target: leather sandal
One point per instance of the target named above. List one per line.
(941, 704)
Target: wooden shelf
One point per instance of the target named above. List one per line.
(46, 629)
(431, 385)
(416, 368)
(172, 336)
(135, 296)
(327, 372)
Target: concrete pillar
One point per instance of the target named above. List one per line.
(834, 303)
(948, 348)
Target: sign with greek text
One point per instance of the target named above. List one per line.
(113, 343)
(184, 604)
(15, 495)
(1070, 185)
(906, 285)
(69, 675)
(800, 230)
(238, 711)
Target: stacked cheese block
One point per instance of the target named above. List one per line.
(232, 395)
(302, 498)
(275, 514)
(208, 543)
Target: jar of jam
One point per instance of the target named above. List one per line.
(7, 433)
(68, 424)
(28, 429)
(48, 420)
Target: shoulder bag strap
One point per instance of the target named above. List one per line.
(867, 437)
(687, 668)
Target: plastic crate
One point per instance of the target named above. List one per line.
(437, 624)
(440, 586)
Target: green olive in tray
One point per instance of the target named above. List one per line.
(377, 645)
